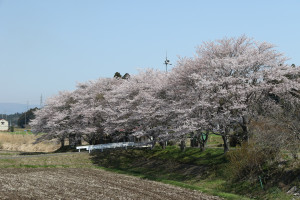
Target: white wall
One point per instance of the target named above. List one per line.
(3, 125)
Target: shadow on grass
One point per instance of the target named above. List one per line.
(159, 164)
(189, 169)
(31, 153)
(65, 149)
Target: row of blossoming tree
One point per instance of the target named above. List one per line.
(223, 89)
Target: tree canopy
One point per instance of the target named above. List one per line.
(228, 84)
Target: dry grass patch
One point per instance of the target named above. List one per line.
(25, 143)
(57, 160)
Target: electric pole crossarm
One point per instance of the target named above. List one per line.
(167, 62)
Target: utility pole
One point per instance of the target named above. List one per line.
(25, 120)
(25, 114)
(167, 62)
(41, 101)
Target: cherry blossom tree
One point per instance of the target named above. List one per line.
(89, 113)
(215, 86)
(282, 86)
(53, 118)
(227, 83)
(75, 115)
(137, 106)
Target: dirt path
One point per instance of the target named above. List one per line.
(33, 155)
(58, 183)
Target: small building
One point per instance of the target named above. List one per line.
(139, 137)
(4, 125)
(142, 139)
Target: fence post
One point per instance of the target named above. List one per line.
(261, 184)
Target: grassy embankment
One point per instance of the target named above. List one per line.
(204, 171)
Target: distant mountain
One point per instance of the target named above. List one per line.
(12, 108)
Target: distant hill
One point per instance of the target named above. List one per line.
(12, 108)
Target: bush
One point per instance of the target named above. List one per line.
(249, 161)
(268, 150)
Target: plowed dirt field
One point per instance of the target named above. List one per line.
(70, 183)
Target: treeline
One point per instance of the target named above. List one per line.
(20, 119)
(237, 88)
(12, 118)
(26, 117)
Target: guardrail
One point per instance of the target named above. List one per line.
(112, 146)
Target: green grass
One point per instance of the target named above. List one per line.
(276, 193)
(34, 166)
(19, 132)
(214, 140)
(7, 154)
(191, 156)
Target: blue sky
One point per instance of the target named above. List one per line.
(48, 46)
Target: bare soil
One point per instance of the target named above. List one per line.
(81, 183)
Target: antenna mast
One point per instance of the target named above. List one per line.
(167, 62)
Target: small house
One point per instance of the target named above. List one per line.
(3, 125)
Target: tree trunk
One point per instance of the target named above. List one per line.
(182, 145)
(78, 141)
(163, 144)
(225, 140)
(72, 140)
(203, 141)
(245, 129)
(153, 143)
(194, 142)
(62, 142)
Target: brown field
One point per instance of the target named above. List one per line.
(25, 143)
(29, 175)
(71, 183)
(26, 174)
